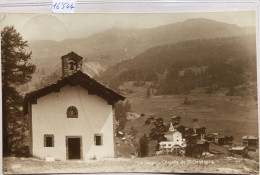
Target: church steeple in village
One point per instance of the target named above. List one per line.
(71, 63)
(172, 129)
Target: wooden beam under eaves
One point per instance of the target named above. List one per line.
(111, 102)
(34, 101)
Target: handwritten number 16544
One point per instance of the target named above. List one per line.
(63, 5)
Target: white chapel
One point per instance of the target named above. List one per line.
(72, 118)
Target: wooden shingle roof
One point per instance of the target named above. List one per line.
(249, 138)
(78, 78)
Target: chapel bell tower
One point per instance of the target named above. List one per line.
(71, 63)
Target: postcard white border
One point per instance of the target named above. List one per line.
(144, 6)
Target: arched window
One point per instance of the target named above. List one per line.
(72, 112)
(72, 65)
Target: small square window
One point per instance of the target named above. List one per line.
(48, 140)
(98, 139)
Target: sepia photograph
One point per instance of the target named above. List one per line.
(130, 93)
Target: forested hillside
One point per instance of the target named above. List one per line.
(179, 68)
(102, 50)
(116, 44)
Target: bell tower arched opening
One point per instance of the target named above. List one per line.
(71, 63)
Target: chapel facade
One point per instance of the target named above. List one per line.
(72, 118)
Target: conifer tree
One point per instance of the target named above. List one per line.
(144, 148)
(16, 70)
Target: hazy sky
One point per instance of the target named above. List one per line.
(62, 26)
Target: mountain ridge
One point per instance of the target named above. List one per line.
(114, 45)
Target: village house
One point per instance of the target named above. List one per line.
(196, 145)
(219, 139)
(72, 118)
(200, 147)
(228, 140)
(241, 150)
(201, 131)
(186, 131)
(175, 143)
(212, 137)
(250, 142)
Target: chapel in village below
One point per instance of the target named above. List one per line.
(72, 118)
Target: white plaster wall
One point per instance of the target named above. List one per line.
(95, 116)
(177, 138)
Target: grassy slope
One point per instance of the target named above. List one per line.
(227, 115)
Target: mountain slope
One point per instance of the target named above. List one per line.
(116, 45)
(223, 62)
